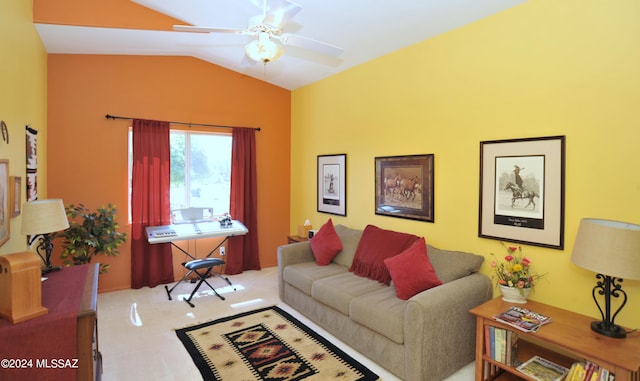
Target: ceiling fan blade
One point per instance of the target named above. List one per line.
(205, 29)
(280, 12)
(311, 44)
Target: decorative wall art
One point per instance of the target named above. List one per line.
(32, 164)
(404, 187)
(522, 190)
(15, 183)
(5, 131)
(332, 184)
(5, 211)
(32, 174)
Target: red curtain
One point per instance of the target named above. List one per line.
(243, 250)
(151, 265)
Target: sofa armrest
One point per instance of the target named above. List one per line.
(290, 255)
(439, 330)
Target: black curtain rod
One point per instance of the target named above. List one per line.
(108, 116)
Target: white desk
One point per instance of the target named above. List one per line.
(183, 232)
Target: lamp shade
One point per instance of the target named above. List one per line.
(44, 216)
(608, 247)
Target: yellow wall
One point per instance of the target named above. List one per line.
(542, 68)
(23, 91)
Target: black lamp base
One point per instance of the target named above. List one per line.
(50, 269)
(44, 250)
(609, 330)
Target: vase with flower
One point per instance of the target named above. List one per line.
(514, 275)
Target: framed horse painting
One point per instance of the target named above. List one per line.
(522, 191)
(404, 187)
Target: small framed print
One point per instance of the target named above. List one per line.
(404, 187)
(15, 183)
(332, 184)
(522, 191)
(5, 209)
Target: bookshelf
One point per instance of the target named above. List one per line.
(567, 339)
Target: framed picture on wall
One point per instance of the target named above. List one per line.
(332, 184)
(15, 183)
(522, 191)
(5, 210)
(404, 187)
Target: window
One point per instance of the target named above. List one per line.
(200, 170)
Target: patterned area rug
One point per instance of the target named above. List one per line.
(267, 344)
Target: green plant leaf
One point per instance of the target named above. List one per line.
(90, 233)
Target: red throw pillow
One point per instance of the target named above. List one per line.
(412, 271)
(374, 247)
(325, 244)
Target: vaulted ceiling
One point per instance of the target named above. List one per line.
(364, 29)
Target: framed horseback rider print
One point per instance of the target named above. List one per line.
(522, 191)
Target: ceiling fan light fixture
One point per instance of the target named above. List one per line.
(263, 49)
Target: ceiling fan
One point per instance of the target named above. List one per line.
(267, 27)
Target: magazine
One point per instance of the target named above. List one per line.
(542, 369)
(523, 319)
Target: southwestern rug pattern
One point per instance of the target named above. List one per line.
(267, 344)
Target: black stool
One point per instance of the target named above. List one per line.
(206, 264)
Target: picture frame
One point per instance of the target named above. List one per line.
(5, 191)
(405, 187)
(332, 184)
(15, 184)
(522, 191)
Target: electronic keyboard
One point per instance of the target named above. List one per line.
(182, 232)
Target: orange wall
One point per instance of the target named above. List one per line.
(87, 154)
(101, 13)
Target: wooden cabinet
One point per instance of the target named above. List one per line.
(70, 296)
(89, 357)
(568, 338)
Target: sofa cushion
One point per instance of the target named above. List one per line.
(338, 290)
(382, 312)
(375, 246)
(411, 271)
(350, 239)
(302, 275)
(325, 244)
(452, 265)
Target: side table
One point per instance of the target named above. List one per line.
(296, 238)
(568, 338)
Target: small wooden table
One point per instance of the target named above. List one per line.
(296, 238)
(568, 338)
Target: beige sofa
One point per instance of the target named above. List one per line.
(427, 337)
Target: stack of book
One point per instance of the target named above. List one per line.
(588, 371)
(502, 345)
(523, 319)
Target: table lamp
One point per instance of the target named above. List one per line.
(612, 250)
(43, 217)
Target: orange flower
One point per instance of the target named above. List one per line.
(515, 271)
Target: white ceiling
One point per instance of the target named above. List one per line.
(365, 29)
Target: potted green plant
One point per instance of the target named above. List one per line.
(90, 233)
